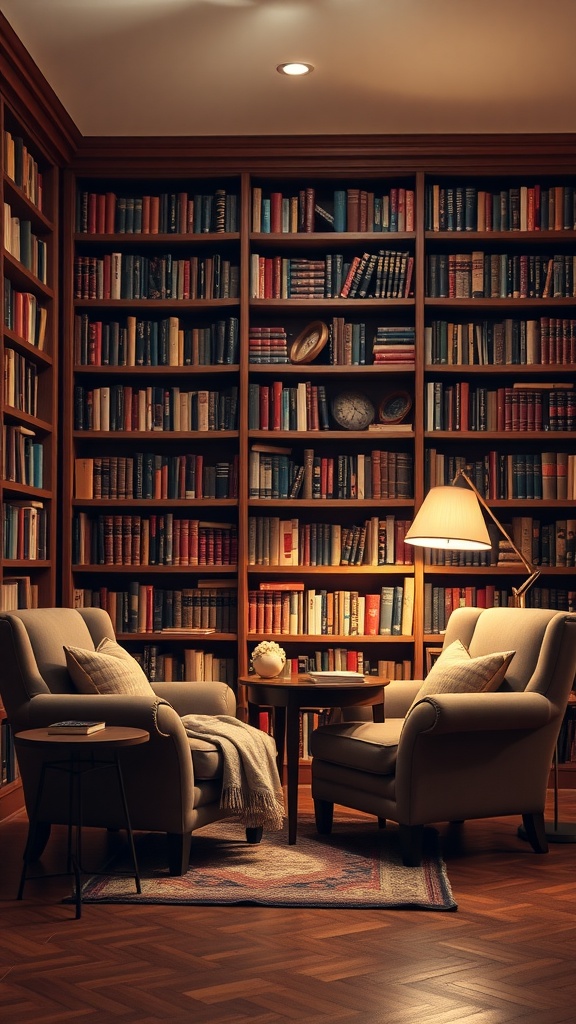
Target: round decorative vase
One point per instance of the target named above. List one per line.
(268, 665)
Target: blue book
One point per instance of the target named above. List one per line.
(265, 216)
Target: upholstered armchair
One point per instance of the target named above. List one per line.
(173, 783)
(449, 756)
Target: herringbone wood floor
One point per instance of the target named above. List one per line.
(507, 955)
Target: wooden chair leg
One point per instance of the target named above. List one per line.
(535, 832)
(411, 845)
(324, 814)
(178, 852)
(254, 835)
(381, 822)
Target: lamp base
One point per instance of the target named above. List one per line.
(563, 832)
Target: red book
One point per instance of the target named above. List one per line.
(275, 212)
(372, 614)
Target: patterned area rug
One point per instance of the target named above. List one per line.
(357, 866)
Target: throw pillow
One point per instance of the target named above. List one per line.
(456, 672)
(108, 669)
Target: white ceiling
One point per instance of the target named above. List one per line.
(207, 67)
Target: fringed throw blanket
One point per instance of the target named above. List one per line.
(251, 784)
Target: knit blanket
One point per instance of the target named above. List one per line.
(251, 784)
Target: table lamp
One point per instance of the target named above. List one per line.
(451, 518)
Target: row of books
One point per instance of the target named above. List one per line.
(144, 608)
(194, 664)
(519, 207)
(374, 474)
(18, 592)
(25, 315)
(504, 475)
(165, 539)
(20, 382)
(142, 342)
(352, 209)
(561, 598)
(289, 608)
(523, 407)
(152, 475)
(131, 276)
(349, 344)
(489, 275)
(24, 530)
(383, 274)
(277, 406)
(541, 543)
(545, 341)
(26, 247)
(122, 407)
(22, 168)
(274, 541)
(22, 456)
(440, 602)
(175, 213)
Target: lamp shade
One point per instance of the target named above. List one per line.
(450, 518)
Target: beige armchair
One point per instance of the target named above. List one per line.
(453, 756)
(173, 784)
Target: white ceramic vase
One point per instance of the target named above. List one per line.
(268, 665)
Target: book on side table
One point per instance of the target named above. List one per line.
(74, 727)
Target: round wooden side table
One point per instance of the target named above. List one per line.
(75, 756)
(289, 696)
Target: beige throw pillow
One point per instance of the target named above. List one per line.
(108, 669)
(456, 672)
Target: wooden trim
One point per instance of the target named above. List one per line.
(329, 154)
(33, 99)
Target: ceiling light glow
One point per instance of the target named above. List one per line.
(295, 68)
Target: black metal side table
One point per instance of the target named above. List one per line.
(75, 756)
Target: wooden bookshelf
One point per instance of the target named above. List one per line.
(291, 242)
(37, 139)
(151, 376)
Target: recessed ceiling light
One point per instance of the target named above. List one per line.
(295, 68)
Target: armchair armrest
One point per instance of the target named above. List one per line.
(198, 698)
(136, 712)
(479, 712)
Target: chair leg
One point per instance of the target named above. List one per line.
(254, 835)
(324, 814)
(535, 832)
(411, 845)
(178, 852)
(381, 822)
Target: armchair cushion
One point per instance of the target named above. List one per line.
(455, 671)
(206, 758)
(107, 670)
(367, 746)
